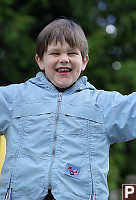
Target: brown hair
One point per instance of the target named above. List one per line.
(61, 30)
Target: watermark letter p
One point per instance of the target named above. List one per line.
(128, 191)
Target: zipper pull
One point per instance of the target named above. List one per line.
(60, 97)
(92, 197)
(8, 194)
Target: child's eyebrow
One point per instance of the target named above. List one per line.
(53, 49)
(58, 49)
(72, 49)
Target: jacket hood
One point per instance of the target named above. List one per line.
(41, 81)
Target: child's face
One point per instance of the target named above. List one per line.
(62, 64)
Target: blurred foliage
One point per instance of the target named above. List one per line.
(112, 64)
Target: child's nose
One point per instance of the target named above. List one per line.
(64, 58)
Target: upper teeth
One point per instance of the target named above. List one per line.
(64, 70)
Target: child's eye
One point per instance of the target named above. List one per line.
(54, 53)
(73, 53)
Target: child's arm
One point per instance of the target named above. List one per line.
(119, 116)
(5, 109)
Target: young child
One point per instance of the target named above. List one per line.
(58, 127)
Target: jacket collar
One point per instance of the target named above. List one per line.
(41, 81)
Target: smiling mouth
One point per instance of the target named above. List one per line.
(63, 69)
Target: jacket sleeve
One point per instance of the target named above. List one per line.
(5, 109)
(119, 116)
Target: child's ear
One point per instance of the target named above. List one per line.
(39, 62)
(85, 61)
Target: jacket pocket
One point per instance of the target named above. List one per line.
(37, 134)
(36, 127)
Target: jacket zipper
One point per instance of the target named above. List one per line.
(92, 195)
(54, 141)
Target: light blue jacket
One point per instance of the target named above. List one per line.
(61, 140)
